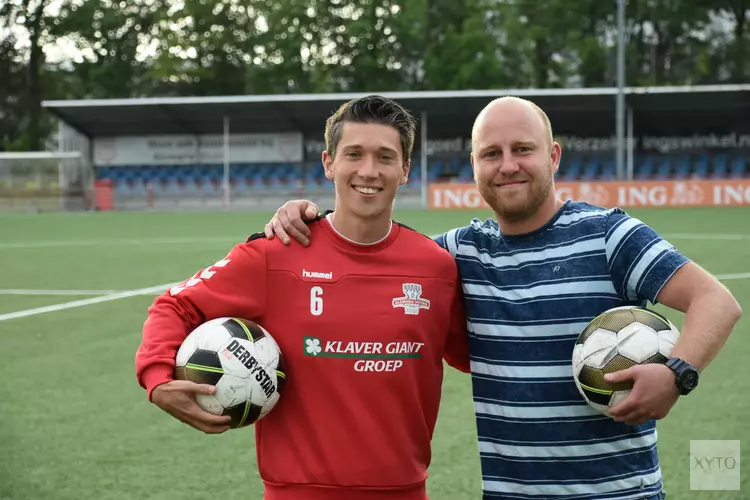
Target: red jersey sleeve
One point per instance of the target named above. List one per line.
(457, 346)
(235, 286)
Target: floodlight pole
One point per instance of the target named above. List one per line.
(225, 181)
(423, 151)
(620, 124)
(631, 143)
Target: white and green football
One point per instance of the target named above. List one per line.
(242, 360)
(615, 340)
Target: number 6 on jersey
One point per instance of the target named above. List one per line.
(316, 301)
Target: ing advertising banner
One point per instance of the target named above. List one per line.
(689, 193)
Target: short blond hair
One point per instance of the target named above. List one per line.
(537, 109)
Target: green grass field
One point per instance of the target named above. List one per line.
(74, 424)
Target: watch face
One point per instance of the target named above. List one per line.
(689, 379)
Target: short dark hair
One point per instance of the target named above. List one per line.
(372, 109)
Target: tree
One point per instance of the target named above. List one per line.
(12, 98)
(31, 18)
(112, 40)
(220, 47)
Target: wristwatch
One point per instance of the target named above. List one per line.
(686, 375)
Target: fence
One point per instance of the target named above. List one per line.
(44, 181)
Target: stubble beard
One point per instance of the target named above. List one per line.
(517, 212)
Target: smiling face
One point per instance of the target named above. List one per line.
(367, 169)
(368, 149)
(514, 160)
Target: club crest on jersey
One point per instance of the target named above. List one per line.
(412, 300)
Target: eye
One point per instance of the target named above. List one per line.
(490, 154)
(386, 157)
(524, 149)
(352, 154)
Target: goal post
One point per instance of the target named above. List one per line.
(45, 181)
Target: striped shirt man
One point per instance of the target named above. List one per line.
(527, 297)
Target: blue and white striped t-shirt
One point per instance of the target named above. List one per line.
(527, 298)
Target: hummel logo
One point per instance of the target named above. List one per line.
(556, 269)
(313, 274)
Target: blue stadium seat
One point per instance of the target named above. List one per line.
(237, 172)
(414, 182)
(216, 172)
(259, 182)
(311, 175)
(739, 166)
(293, 177)
(240, 186)
(608, 170)
(664, 168)
(466, 174)
(264, 170)
(591, 170)
(682, 168)
(645, 168)
(720, 166)
(172, 186)
(249, 171)
(190, 186)
(141, 173)
(274, 182)
(572, 169)
(193, 173)
(122, 173)
(295, 170)
(160, 174)
(434, 170)
(208, 188)
(158, 187)
(453, 166)
(122, 187)
(182, 173)
(155, 173)
(701, 167)
(138, 188)
(103, 173)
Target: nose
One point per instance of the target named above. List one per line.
(367, 169)
(508, 165)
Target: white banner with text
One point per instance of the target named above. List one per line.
(201, 149)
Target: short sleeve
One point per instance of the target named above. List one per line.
(640, 261)
(450, 240)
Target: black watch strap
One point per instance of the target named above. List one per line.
(686, 375)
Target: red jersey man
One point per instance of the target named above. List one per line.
(364, 317)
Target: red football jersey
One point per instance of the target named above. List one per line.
(363, 330)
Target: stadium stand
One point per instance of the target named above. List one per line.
(247, 177)
(678, 133)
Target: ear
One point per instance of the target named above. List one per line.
(556, 156)
(327, 165)
(473, 169)
(405, 176)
